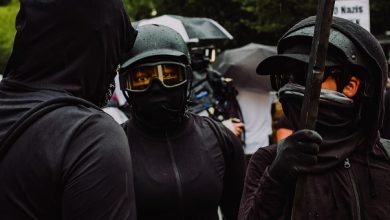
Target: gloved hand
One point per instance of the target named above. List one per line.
(295, 154)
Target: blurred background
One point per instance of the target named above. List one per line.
(248, 21)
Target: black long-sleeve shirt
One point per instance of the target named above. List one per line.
(186, 173)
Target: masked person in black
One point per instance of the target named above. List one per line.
(61, 157)
(344, 161)
(185, 165)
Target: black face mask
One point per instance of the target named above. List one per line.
(337, 122)
(159, 108)
(335, 109)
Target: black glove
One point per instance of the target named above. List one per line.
(295, 154)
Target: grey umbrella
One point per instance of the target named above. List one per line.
(240, 65)
(192, 29)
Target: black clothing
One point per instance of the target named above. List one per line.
(344, 193)
(372, 107)
(186, 172)
(385, 130)
(73, 162)
(159, 107)
(337, 122)
(70, 46)
(350, 180)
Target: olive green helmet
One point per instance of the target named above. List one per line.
(156, 41)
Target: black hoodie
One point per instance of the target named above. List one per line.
(73, 162)
(354, 188)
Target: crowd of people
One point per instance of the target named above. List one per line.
(63, 157)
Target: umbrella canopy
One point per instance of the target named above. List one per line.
(192, 29)
(240, 65)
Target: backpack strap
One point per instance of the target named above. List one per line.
(34, 114)
(385, 145)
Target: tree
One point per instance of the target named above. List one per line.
(379, 16)
(7, 31)
(274, 17)
(4, 2)
(226, 12)
(140, 9)
(260, 21)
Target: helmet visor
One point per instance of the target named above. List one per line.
(138, 79)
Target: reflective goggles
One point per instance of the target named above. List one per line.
(139, 78)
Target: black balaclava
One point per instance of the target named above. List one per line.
(337, 122)
(159, 108)
(72, 46)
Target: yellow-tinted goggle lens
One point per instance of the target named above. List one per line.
(139, 78)
(172, 74)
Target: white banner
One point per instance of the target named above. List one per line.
(357, 11)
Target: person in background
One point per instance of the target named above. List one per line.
(117, 107)
(235, 125)
(61, 157)
(185, 165)
(255, 104)
(343, 163)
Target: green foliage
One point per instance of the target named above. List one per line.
(379, 16)
(140, 9)
(4, 2)
(273, 17)
(226, 12)
(260, 21)
(7, 31)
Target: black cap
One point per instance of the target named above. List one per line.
(292, 57)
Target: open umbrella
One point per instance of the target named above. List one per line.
(192, 29)
(240, 65)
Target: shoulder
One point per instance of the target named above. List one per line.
(75, 122)
(264, 156)
(259, 162)
(266, 152)
(207, 122)
(90, 135)
(228, 142)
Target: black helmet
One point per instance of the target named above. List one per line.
(294, 50)
(159, 55)
(156, 41)
(161, 44)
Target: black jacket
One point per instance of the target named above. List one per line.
(356, 184)
(74, 161)
(186, 173)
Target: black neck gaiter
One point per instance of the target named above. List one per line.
(337, 123)
(158, 108)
